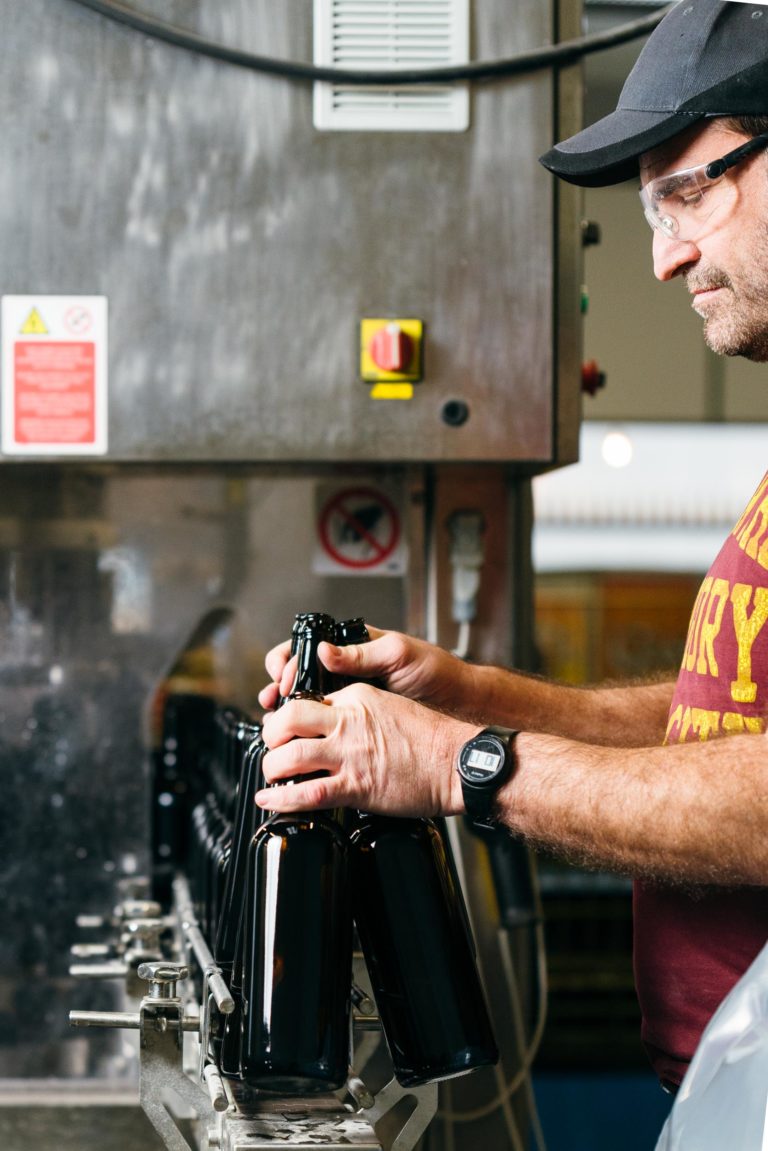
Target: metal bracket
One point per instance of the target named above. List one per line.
(422, 1115)
(161, 1074)
(161, 1023)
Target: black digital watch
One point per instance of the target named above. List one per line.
(485, 763)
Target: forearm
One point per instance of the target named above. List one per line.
(630, 716)
(627, 716)
(690, 813)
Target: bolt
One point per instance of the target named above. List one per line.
(144, 929)
(138, 909)
(162, 978)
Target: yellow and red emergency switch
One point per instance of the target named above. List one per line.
(391, 355)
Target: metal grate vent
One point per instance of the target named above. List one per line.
(376, 34)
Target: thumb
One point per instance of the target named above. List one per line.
(359, 661)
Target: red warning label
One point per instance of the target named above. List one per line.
(53, 375)
(55, 393)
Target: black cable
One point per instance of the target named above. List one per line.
(558, 55)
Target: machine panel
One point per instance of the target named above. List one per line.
(239, 248)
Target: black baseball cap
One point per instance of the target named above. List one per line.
(705, 58)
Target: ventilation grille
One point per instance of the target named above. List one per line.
(370, 35)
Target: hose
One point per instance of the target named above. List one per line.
(556, 56)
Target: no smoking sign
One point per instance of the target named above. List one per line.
(359, 531)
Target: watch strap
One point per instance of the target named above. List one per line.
(479, 800)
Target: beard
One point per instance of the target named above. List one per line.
(736, 322)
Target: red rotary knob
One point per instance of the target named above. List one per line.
(391, 348)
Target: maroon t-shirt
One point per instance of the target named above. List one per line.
(691, 947)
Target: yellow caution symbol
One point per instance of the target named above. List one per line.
(34, 325)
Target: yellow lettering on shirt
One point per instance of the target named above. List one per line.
(709, 629)
(694, 720)
(692, 641)
(704, 723)
(673, 722)
(697, 721)
(752, 528)
(734, 723)
(685, 725)
(747, 627)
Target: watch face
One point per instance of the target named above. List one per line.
(482, 759)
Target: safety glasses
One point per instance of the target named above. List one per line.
(679, 203)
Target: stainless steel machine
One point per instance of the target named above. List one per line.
(260, 350)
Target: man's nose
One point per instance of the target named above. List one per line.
(672, 256)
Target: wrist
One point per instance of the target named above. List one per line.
(486, 762)
(472, 690)
(454, 734)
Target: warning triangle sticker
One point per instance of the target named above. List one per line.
(34, 325)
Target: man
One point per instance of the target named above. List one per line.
(630, 778)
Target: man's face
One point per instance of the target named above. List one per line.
(725, 267)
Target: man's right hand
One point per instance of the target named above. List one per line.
(405, 665)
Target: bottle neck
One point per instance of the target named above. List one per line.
(312, 680)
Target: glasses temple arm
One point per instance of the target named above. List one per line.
(719, 167)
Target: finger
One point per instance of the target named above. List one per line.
(268, 697)
(312, 794)
(300, 757)
(288, 677)
(276, 659)
(298, 719)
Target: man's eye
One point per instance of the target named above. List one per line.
(691, 198)
(681, 199)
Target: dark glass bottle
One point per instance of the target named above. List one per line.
(235, 729)
(246, 749)
(415, 935)
(227, 950)
(217, 834)
(231, 932)
(180, 759)
(420, 956)
(350, 631)
(297, 939)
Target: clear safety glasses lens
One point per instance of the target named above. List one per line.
(677, 205)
